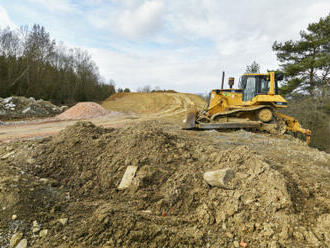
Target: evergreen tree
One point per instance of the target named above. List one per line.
(306, 62)
(253, 68)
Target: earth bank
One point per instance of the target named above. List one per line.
(278, 195)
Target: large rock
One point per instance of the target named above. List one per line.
(43, 233)
(15, 239)
(219, 178)
(22, 244)
(127, 177)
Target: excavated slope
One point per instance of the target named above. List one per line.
(155, 105)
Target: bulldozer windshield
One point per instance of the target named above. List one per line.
(249, 89)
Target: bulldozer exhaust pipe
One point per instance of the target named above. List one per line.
(223, 79)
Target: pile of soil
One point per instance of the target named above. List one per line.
(83, 110)
(70, 182)
(18, 107)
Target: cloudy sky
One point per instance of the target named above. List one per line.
(182, 45)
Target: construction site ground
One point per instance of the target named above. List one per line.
(125, 107)
(59, 182)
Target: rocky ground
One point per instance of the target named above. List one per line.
(18, 107)
(188, 189)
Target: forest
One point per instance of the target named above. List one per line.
(34, 65)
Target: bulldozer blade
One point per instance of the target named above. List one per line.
(190, 121)
(229, 125)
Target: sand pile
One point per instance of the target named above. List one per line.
(83, 110)
(266, 203)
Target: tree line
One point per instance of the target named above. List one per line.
(34, 65)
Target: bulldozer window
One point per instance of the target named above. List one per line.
(264, 86)
(250, 89)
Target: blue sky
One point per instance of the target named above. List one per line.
(182, 45)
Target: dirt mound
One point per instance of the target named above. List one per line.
(154, 105)
(17, 107)
(269, 202)
(83, 110)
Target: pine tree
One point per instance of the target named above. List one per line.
(253, 68)
(306, 62)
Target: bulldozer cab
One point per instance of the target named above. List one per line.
(254, 84)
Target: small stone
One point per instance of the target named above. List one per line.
(8, 155)
(236, 244)
(22, 244)
(63, 108)
(15, 239)
(43, 233)
(14, 217)
(44, 180)
(146, 211)
(219, 178)
(243, 244)
(35, 227)
(63, 221)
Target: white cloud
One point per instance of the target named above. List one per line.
(5, 21)
(55, 5)
(234, 36)
(196, 19)
(168, 71)
(131, 20)
(142, 20)
(182, 44)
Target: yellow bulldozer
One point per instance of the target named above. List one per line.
(255, 106)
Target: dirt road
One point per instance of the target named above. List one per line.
(132, 107)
